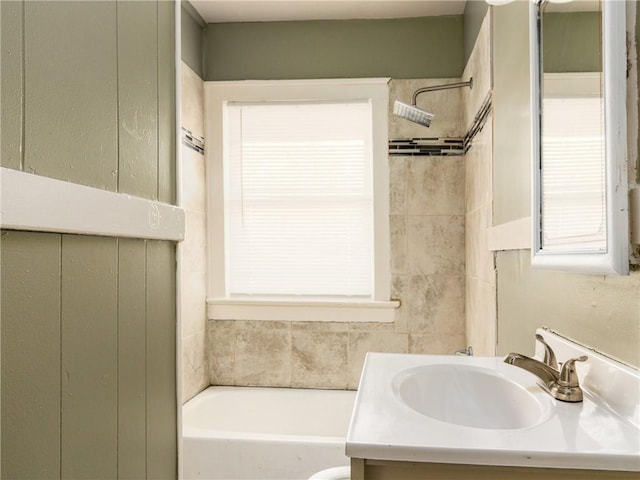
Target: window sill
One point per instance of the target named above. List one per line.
(302, 310)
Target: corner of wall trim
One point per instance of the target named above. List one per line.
(41, 204)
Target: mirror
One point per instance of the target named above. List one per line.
(578, 73)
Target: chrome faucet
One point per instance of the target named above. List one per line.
(562, 385)
(549, 355)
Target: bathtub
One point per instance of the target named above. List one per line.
(264, 433)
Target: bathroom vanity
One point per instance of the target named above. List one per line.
(385, 470)
(450, 417)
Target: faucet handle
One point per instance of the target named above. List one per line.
(568, 375)
(549, 356)
(567, 388)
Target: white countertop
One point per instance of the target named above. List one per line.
(586, 435)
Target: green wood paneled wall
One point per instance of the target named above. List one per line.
(88, 357)
(11, 88)
(31, 355)
(88, 324)
(88, 93)
(166, 102)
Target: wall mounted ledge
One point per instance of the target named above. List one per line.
(41, 204)
(302, 310)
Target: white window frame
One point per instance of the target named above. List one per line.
(219, 306)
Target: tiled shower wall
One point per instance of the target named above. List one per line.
(195, 376)
(480, 275)
(427, 217)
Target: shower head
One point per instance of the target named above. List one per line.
(417, 115)
(412, 113)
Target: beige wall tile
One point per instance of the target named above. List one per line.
(479, 67)
(479, 259)
(481, 324)
(399, 243)
(400, 290)
(195, 345)
(192, 101)
(372, 327)
(195, 377)
(319, 326)
(362, 342)
(435, 186)
(398, 169)
(436, 304)
(478, 175)
(480, 290)
(193, 181)
(435, 343)
(195, 243)
(221, 351)
(436, 245)
(193, 307)
(262, 354)
(319, 359)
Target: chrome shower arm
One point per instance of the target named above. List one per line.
(440, 87)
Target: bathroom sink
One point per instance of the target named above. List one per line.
(446, 409)
(469, 396)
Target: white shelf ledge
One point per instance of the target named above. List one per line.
(302, 310)
(41, 204)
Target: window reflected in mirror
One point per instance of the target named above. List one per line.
(573, 166)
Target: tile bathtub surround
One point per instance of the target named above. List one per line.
(480, 276)
(295, 354)
(195, 375)
(427, 224)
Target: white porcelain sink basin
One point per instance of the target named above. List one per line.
(470, 396)
(483, 411)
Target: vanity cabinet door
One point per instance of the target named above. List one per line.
(387, 470)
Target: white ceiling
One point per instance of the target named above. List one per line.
(222, 11)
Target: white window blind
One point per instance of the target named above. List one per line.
(574, 196)
(298, 199)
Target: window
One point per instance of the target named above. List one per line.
(299, 199)
(573, 151)
(298, 203)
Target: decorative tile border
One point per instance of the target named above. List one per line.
(427, 146)
(443, 146)
(192, 141)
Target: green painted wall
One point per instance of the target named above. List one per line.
(399, 48)
(89, 95)
(192, 38)
(88, 357)
(474, 13)
(603, 312)
(571, 42)
(88, 374)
